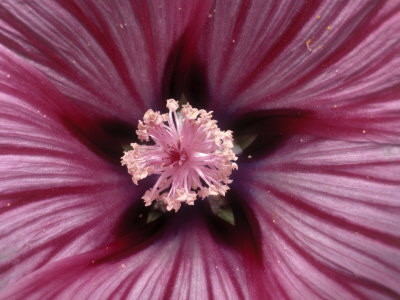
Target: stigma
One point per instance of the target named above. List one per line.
(192, 157)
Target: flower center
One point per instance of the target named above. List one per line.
(176, 154)
(191, 155)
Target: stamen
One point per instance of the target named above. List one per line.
(192, 156)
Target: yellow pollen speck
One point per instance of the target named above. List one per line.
(329, 28)
(356, 232)
(8, 204)
(335, 106)
(364, 131)
(284, 248)
(318, 17)
(308, 45)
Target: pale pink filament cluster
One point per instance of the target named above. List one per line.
(190, 153)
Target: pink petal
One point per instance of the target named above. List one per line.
(187, 260)
(113, 59)
(336, 59)
(327, 213)
(58, 198)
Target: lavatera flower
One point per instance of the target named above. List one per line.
(289, 190)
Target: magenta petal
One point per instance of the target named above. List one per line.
(307, 55)
(186, 261)
(327, 213)
(57, 197)
(108, 57)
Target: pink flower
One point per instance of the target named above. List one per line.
(311, 90)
